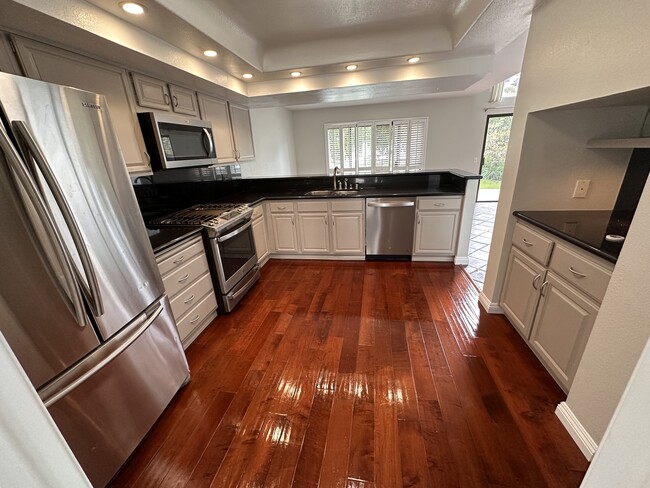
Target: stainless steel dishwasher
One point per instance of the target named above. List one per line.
(389, 228)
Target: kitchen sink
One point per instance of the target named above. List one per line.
(334, 193)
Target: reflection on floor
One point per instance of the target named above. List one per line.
(479, 243)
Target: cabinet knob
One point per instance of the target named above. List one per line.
(166, 98)
(577, 273)
(175, 101)
(196, 318)
(528, 243)
(179, 260)
(543, 287)
(183, 279)
(535, 281)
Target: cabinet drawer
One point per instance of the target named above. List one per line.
(258, 211)
(313, 206)
(281, 207)
(179, 255)
(581, 272)
(196, 315)
(532, 243)
(439, 203)
(183, 276)
(348, 205)
(190, 296)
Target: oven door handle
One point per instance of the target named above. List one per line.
(236, 232)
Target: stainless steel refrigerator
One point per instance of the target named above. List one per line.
(81, 301)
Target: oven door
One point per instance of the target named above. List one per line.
(234, 254)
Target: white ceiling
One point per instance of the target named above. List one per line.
(465, 46)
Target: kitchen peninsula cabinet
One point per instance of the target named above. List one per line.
(55, 65)
(436, 228)
(552, 293)
(159, 95)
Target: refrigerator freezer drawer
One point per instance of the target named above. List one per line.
(106, 417)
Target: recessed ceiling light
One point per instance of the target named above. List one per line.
(296, 74)
(132, 8)
(248, 76)
(351, 67)
(211, 53)
(413, 59)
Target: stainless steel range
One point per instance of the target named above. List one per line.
(230, 244)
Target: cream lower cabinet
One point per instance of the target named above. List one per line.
(551, 294)
(348, 227)
(283, 227)
(436, 228)
(314, 233)
(187, 281)
(55, 65)
(260, 235)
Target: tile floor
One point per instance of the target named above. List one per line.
(479, 243)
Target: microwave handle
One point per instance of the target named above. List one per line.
(207, 135)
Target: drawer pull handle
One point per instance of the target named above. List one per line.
(196, 318)
(179, 260)
(527, 242)
(189, 299)
(543, 287)
(282, 208)
(438, 204)
(183, 279)
(535, 281)
(577, 273)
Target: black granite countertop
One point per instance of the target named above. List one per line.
(584, 228)
(162, 238)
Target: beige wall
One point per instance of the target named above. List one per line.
(273, 141)
(455, 137)
(579, 50)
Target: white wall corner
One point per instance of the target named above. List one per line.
(577, 432)
(461, 260)
(489, 306)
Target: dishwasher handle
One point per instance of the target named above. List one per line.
(391, 204)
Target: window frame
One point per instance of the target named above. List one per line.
(374, 169)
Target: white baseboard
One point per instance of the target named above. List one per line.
(321, 257)
(461, 261)
(488, 306)
(432, 259)
(577, 432)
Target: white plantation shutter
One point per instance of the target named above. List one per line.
(333, 148)
(377, 146)
(364, 148)
(349, 149)
(400, 145)
(417, 144)
(382, 147)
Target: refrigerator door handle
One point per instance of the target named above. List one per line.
(23, 178)
(84, 370)
(35, 152)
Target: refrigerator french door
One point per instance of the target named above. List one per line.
(81, 300)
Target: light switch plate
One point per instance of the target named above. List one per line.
(581, 189)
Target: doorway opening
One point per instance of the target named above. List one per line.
(495, 146)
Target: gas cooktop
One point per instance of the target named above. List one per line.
(217, 216)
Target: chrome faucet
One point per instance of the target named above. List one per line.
(336, 170)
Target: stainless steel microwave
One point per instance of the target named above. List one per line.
(177, 142)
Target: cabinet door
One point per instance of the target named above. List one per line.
(348, 233)
(151, 93)
(436, 233)
(215, 111)
(561, 329)
(314, 233)
(521, 290)
(184, 101)
(261, 242)
(284, 233)
(54, 65)
(242, 132)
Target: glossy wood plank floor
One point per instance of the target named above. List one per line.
(360, 374)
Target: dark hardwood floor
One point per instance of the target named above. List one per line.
(360, 374)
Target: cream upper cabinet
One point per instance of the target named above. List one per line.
(436, 228)
(240, 118)
(521, 290)
(159, 95)
(8, 62)
(54, 65)
(215, 111)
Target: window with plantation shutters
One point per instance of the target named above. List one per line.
(378, 146)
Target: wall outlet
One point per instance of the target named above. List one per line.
(581, 189)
